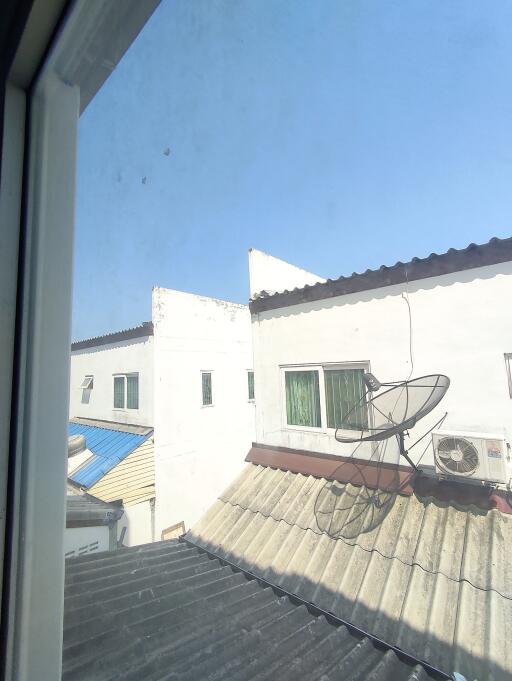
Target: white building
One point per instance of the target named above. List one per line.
(444, 314)
(204, 401)
(183, 381)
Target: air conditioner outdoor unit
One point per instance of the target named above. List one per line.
(473, 456)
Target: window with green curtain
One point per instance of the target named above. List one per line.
(302, 399)
(206, 378)
(132, 391)
(118, 392)
(250, 384)
(344, 390)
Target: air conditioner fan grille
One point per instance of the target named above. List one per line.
(457, 455)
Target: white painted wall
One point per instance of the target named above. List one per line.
(270, 274)
(130, 356)
(462, 327)
(198, 450)
(138, 522)
(78, 539)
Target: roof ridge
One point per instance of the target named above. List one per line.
(473, 256)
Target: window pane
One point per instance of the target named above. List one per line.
(250, 384)
(118, 392)
(302, 398)
(132, 392)
(207, 388)
(346, 408)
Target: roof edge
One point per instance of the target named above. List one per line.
(145, 329)
(473, 256)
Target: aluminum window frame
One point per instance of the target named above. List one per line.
(321, 367)
(212, 403)
(508, 368)
(125, 377)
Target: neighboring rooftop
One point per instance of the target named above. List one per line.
(494, 252)
(145, 329)
(84, 510)
(166, 610)
(429, 576)
(108, 446)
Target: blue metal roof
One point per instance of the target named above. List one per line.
(109, 447)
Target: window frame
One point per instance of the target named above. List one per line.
(508, 367)
(125, 406)
(321, 367)
(87, 383)
(212, 403)
(249, 398)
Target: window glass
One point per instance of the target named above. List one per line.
(345, 405)
(207, 388)
(118, 392)
(302, 399)
(132, 391)
(250, 384)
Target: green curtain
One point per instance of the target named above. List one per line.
(250, 384)
(118, 392)
(302, 398)
(132, 392)
(344, 390)
(207, 389)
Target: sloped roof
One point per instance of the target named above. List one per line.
(475, 255)
(84, 510)
(168, 611)
(430, 577)
(108, 446)
(145, 329)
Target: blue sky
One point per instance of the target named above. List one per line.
(336, 135)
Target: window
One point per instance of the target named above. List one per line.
(206, 382)
(87, 383)
(326, 396)
(302, 399)
(126, 391)
(250, 384)
(508, 366)
(345, 407)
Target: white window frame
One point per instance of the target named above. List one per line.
(125, 391)
(321, 368)
(87, 383)
(251, 399)
(508, 367)
(207, 371)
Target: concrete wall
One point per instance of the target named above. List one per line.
(461, 326)
(138, 521)
(79, 539)
(198, 450)
(130, 356)
(270, 274)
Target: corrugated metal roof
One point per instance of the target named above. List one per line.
(132, 480)
(109, 447)
(430, 577)
(145, 329)
(475, 255)
(166, 611)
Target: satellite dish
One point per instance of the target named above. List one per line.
(391, 412)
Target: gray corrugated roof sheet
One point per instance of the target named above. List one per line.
(432, 578)
(84, 510)
(167, 611)
(145, 329)
(475, 255)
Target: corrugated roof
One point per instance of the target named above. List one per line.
(145, 329)
(83, 510)
(475, 255)
(109, 447)
(430, 577)
(132, 480)
(167, 611)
